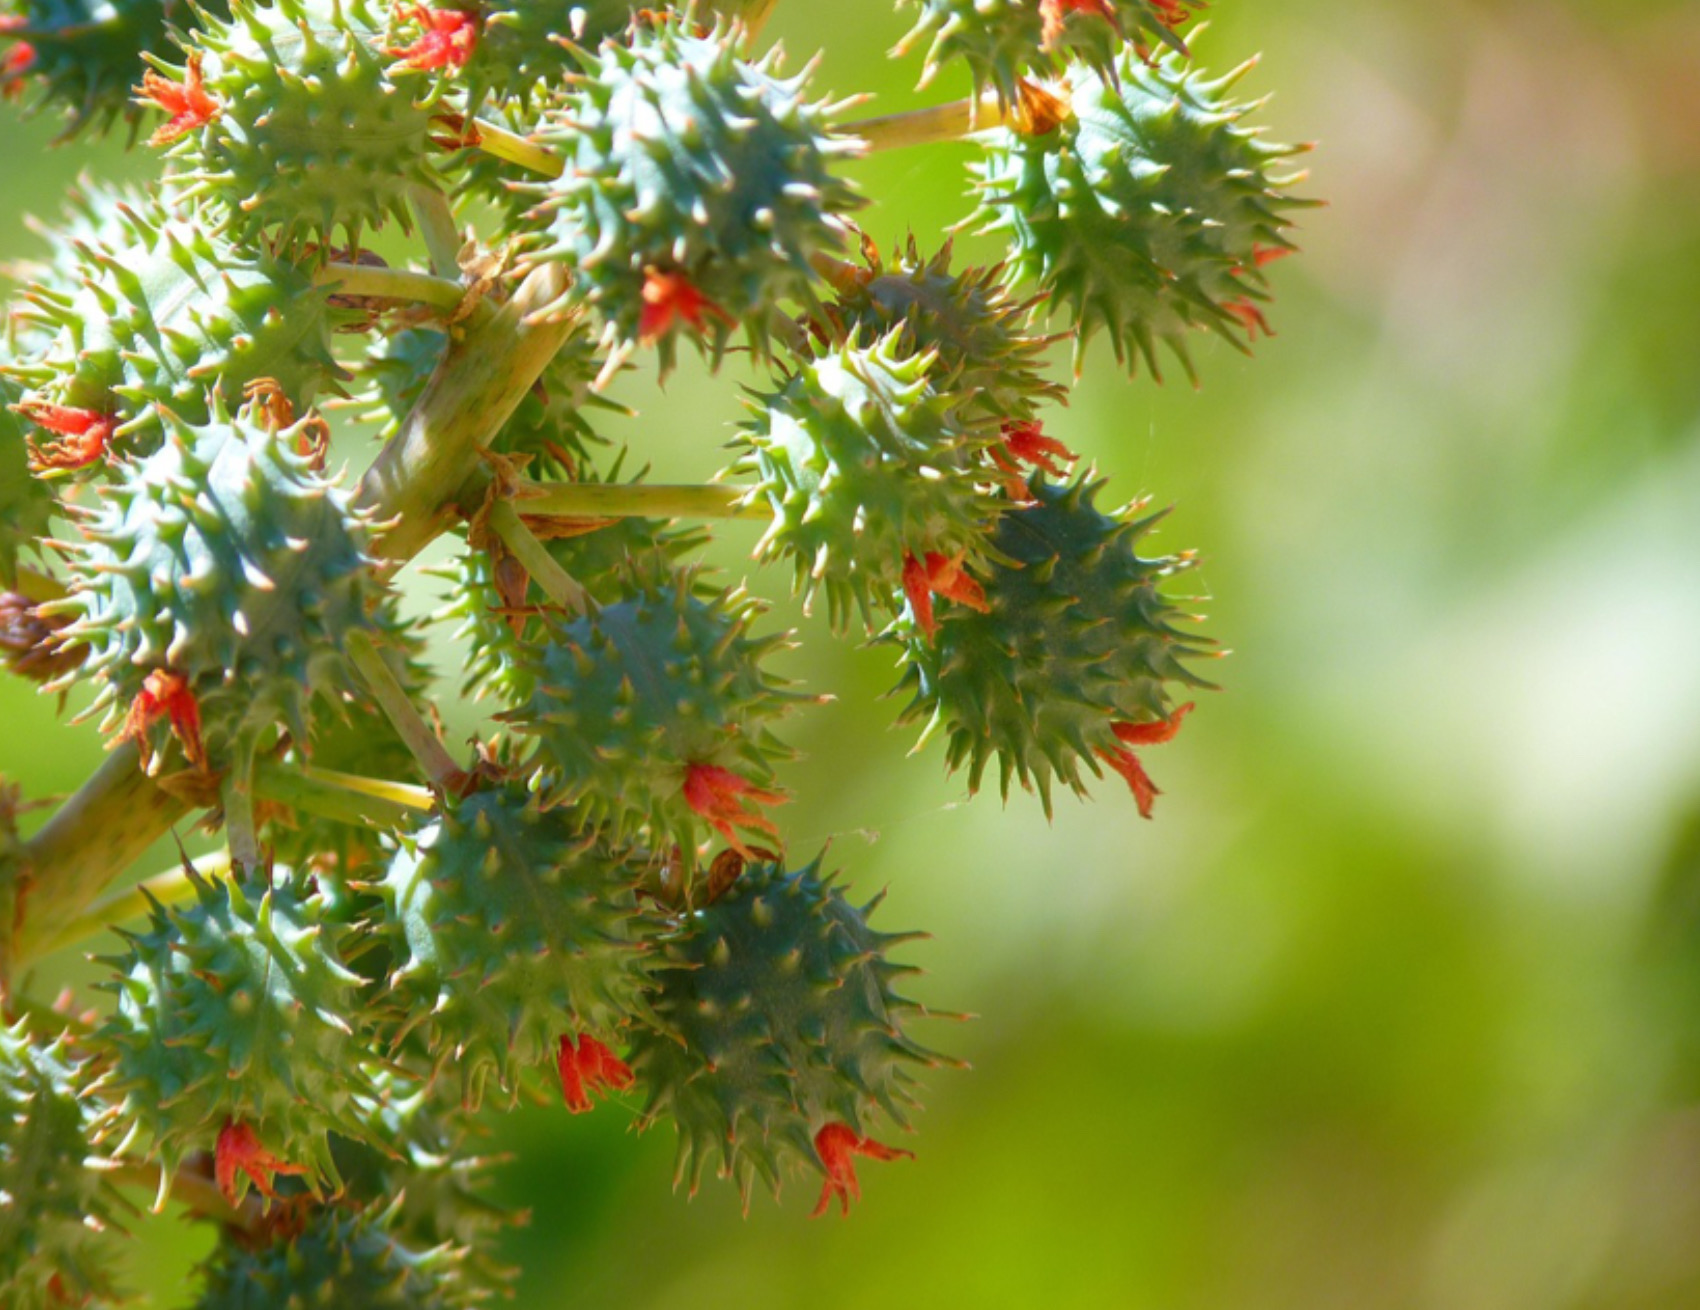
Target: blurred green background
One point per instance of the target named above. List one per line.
(1397, 1002)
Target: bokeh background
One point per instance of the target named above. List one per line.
(1397, 1001)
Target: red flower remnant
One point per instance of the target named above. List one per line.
(239, 1151)
(941, 574)
(1126, 763)
(669, 297)
(836, 1144)
(1056, 12)
(1026, 443)
(1250, 317)
(86, 434)
(166, 695)
(446, 38)
(589, 1067)
(18, 61)
(1262, 254)
(724, 798)
(189, 103)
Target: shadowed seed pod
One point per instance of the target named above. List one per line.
(1071, 660)
(227, 567)
(1148, 211)
(510, 928)
(1005, 41)
(335, 1257)
(697, 185)
(59, 1213)
(238, 1030)
(653, 712)
(865, 469)
(164, 314)
(252, 114)
(778, 1018)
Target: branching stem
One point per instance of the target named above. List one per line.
(515, 149)
(171, 887)
(558, 585)
(935, 123)
(392, 284)
(398, 707)
(603, 500)
(443, 237)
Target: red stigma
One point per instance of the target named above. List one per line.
(589, 1067)
(1126, 763)
(941, 574)
(724, 798)
(669, 297)
(239, 1152)
(836, 1144)
(1250, 317)
(166, 695)
(446, 38)
(1026, 443)
(1056, 12)
(18, 61)
(190, 105)
(86, 435)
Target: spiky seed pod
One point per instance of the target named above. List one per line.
(864, 465)
(27, 504)
(82, 57)
(697, 185)
(226, 559)
(1076, 638)
(1149, 210)
(985, 347)
(1004, 41)
(777, 1016)
(165, 314)
(499, 634)
(339, 1258)
(236, 1008)
(58, 1211)
(311, 127)
(510, 928)
(551, 424)
(631, 700)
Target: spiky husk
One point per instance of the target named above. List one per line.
(1004, 41)
(863, 463)
(236, 1007)
(165, 314)
(685, 159)
(550, 426)
(27, 504)
(340, 1257)
(226, 558)
(629, 697)
(58, 1212)
(985, 347)
(315, 132)
(1148, 212)
(777, 1015)
(510, 928)
(87, 55)
(1076, 636)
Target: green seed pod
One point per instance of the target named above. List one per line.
(635, 699)
(777, 1016)
(339, 1258)
(697, 186)
(864, 465)
(228, 561)
(1004, 41)
(58, 1211)
(509, 929)
(310, 132)
(986, 351)
(236, 1009)
(1076, 637)
(164, 314)
(27, 504)
(1148, 211)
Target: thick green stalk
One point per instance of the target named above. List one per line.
(392, 284)
(169, 888)
(920, 127)
(606, 500)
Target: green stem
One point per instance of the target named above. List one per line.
(391, 284)
(443, 236)
(168, 888)
(556, 582)
(920, 127)
(515, 149)
(237, 795)
(359, 802)
(612, 500)
(410, 725)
